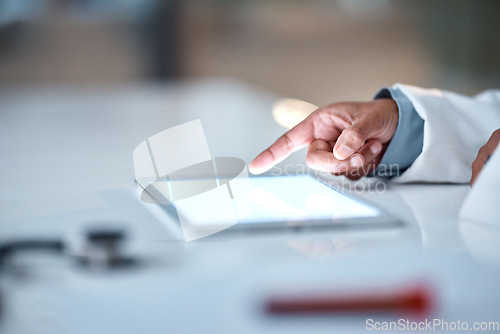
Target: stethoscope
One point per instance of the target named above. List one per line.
(102, 250)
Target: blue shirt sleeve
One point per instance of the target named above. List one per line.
(408, 140)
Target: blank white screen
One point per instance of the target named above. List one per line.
(284, 198)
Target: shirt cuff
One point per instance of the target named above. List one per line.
(408, 140)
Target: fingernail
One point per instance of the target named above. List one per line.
(376, 148)
(343, 152)
(356, 161)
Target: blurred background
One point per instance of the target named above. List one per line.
(321, 51)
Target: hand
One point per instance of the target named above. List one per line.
(343, 138)
(484, 154)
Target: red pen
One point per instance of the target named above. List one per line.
(414, 301)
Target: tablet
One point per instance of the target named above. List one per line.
(261, 203)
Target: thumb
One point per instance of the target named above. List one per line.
(352, 139)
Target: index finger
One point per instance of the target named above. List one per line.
(295, 139)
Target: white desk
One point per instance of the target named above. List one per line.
(67, 161)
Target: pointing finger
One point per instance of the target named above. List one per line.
(295, 139)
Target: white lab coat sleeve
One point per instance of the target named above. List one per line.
(456, 127)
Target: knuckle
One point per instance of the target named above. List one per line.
(273, 154)
(310, 160)
(477, 165)
(495, 136)
(287, 142)
(482, 151)
(354, 134)
(474, 164)
(340, 167)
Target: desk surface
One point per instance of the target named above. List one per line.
(67, 163)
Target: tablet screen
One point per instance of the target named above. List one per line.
(289, 198)
(267, 199)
